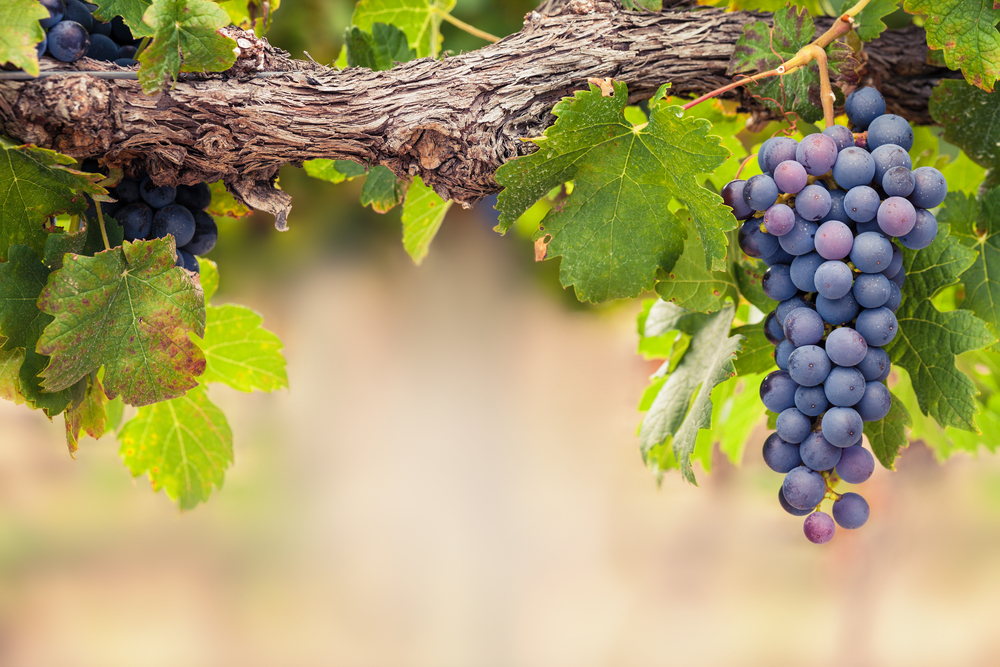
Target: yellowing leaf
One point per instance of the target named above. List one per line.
(423, 212)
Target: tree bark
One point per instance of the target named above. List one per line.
(453, 122)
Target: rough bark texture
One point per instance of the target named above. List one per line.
(453, 122)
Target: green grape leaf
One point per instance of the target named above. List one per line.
(208, 277)
(88, 415)
(736, 411)
(183, 444)
(749, 274)
(971, 120)
(684, 404)
(185, 39)
(253, 15)
(423, 212)
(928, 340)
(224, 205)
(128, 309)
(34, 185)
(689, 284)
(58, 244)
(334, 171)
(239, 351)
(20, 33)
(37, 398)
(963, 175)
(977, 226)
(420, 20)
(382, 190)
(760, 48)
(10, 382)
(757, 355)
(888, 436)
(868, 24)
(379, 49)
(22, 279)
(131, 12)
(615, 231)
(966, 31)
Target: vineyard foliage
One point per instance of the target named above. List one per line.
(113, 336)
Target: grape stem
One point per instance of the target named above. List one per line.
(100, 221)
(462, 25)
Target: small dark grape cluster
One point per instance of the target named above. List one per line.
(822, 216)
(72, 33)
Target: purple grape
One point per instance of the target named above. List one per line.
(102, 48)
(871, 252)
(803, 326)
(871, 290)
(785, 307)
(837, 311)
(870, 226)
(898, 182)
(813, 202)
(808, 366)
(801, 240)
(777, 391)
(811, 401)
(846, 347)
(895, 264)
(157, 196)
(896, 216)
(176, 221)
(68, 41)
(778, 284)
(803, 488)
(187, 261)
(732, 196)
(793, 426)
(850, 511)
(818, 454)
(861, 203)
(773, 330)
(76, 11)
(790, 176)
(877, 325)
(837, 211)
(803, 271)
(875, 403)
(779, 220)
(206, 234)
(819, 528)
(780, 456)
(875, 364)
(856, 465)
(890, 129)
(755, 242)
(760, 192)
(779, 149)
(888, 156)
(842, 426)
(57, 9)
(781, 353)
(854, 167)
(136, 221)
(841, 135)
(923, 233)
(863, 106)
(898, 279)
(779, 256)
(895, 297)
(794, 511)
(834, 239)
(929, 187)
(844, 387)
(817, 153)
(833, 279)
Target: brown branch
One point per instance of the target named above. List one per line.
(453, 122)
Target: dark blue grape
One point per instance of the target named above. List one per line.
(175, 220)
(788, 306)
(102, 48)
(837, 211)
(68, 41)
(871, 253)
(895, 264)
(854, 167)
(856, 465)
(732, 196)
(127, 51)
(871, 290)
(57, 9)
(793, 426)
(850, 511)
(863, 106)
(837, 311)
(842, 426)
(895, 297)
(817, 453)
(206, 233)
(755, 242)
(898, 182)
(803, 326)
(890, 129)
(813, 202)
(808, 366)
(803, 270)
(778, 284)
(75, 11)
(898, 279)
(157, 196)
(875, 404)
(790, 176)
(802, 238)
(188, 261)
(126, 62)
(834, 240)
(896, 216)
(101, 28)
(120, 32)
(136, 221)
(870, 226)
(861, 203)
(877, 325)
(42, 46)
(875, 364)
(803, 488)
(842, 136)
(817, 153)
(779, 256)
(777, 391)
(781, 353)
(779, 149)
(923, 233)
(779, 220)
(794, 511)
(811, 401)
(819, 528)
(846, 347)
(929, 187)
(760, 192)
(844, 387)
(127, 191)
(762, 154)
(194, 197)
(833, 279)
(889, 156)
(773, 329)
(780, 456)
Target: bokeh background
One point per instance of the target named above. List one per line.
(453, 479)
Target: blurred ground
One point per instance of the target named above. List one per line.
(453, 480)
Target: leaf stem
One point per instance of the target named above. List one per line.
(734, 84)
(462, 25)
(100, 221)
(145, 42)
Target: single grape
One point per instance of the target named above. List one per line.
(68, 41)
(844, 387)
(871, 290)
(863, 106)
(841, 135)
(861, 203)
(802, 238)
(890, 129)
(929, 187)
(780, 456)
(895, 297)
(127, 191)
(793, 426)
(803, 271)
(175, 220)
(842, 426)
(777, 391)
(808, 366)
(923, 233)
(898, 182)
(781, 353)
(102, 48)
(75, 11)
(856, 465)
(790, 176)
(803, 488)
(157, 196)
(837, 211)
(779, 149)
(188, 261)
(833, 279)
(813, 202)
(854, 167)
(760, 192)
(877, 325)
(818, 454)
(194, 197)
(754, 242)
(120, 32)
(871, 253)
(779, 220)
(811, 401)
(136, 221)
(794, 511)
(875, 404)
(837, 311)
(819, 528)
(732, 196)
(834, 240)
(57, 9)
(206, 233)
(846, 347)
(762, 155)
(773, 330)
(785, 307)
(127, 51)
(875, 364)
(896, 216)
(778, 284)
(817, 153)
(126, 62)
(850, 511)
(779, 256)
(895, 264)
(803, 326)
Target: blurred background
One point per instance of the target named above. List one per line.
(453, 479)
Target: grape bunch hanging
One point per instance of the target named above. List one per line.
(72, 33)
(822, 216)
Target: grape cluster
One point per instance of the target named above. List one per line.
(72, 33)
(822, 216)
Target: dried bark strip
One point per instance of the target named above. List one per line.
(453, 122)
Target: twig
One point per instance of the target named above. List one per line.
(472, 30)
